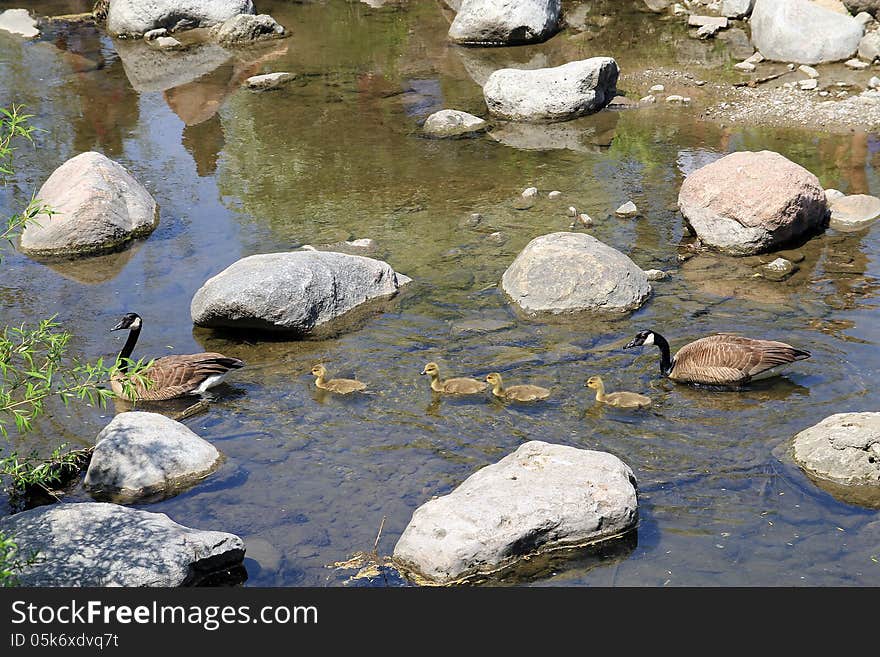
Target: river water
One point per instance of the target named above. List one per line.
(337, 155)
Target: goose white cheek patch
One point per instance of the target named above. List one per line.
(649, 340)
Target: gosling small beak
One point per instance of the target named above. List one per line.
(423, 372)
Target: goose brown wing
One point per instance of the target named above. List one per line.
(731, 359)
(174, 376)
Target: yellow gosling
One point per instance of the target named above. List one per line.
(617, 399)
(456, 386)
(523, 393)
(339, 386)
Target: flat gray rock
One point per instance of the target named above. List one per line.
(100, 544)
(136, 17)
(296, 292)
(504, 23)
(573, 272)
(268, 81)
(803, 32)
(20, 22)
(144, 456)
(244, 29)
(452, 123)
(843, 448)
(752, 202)
(854, 211)
(540, 498)
(552, 94)
(99, 207)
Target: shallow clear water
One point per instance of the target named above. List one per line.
(337, 155)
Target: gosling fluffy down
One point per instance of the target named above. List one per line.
(339, 386)
(617, 399)
(456, 386)
(523, 393)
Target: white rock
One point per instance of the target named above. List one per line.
(746, 67)
(142, 456)
(499, 22)
(555, 194)
(803, 32)
(530, 192)
(832, 193)
(856, 64)
(674, 98)
(538, 498)
(650, 98)
(452, 123)
(874, 82)
(843, 448)
(268, 81)
(807, 85)
(572, 211)
(656, 274)
(628, 209)
(809, 71)
(20, 22)
(573, 272)
(657, 88)
(552, 94)
(167, 43)
(755, 58)
(718, 22)
(864, 17)
(853, 212)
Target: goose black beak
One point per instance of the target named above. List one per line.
(631, 344)
(118, 327)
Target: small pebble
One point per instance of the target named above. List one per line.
(656, 274)
(554, 194)
(585, 219)
(808, 85)
(856, 64)
(791, 67)
(809, 71)
(650, 98)
(530, 192)
(657, 88)
(572, 211)
(874, 83)
(746, 67)
(674, 98)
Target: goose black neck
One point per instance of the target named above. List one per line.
(665, 358)
(124, 355)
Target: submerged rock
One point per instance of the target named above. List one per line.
(147, 455)
(268, 81)
(540, 498)
(297, 292)
(752, 202)
(552, 94)
(100, 544)
(573, 272)
(628, 209)
(853, 212)
(843, 448)
(504, 23)
(136, 17)
(778, 270)
(803, 32)
(20, 22)
(452, 123)
(99, 207)
(245, 29)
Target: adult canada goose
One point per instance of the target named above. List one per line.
(517, 393)
(339, 386)
(618, 399)
(171, 376)
(723, 359)
(456, 386)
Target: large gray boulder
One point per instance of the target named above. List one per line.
(142, 456)
(297, 292)
(803, 32)
(135, 17)
(505, 23)
(573, 272)
(99, 207)
(99, 544)
(244, 29)
(843, 448)
(752, 202)
(540, 498)
(552, 94)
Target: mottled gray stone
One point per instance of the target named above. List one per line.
(751, 202)
(540, 498)
(296, 292)
(803, 32)
(573, 272)
(100, 544)
(843, 448)
(146, 455)
(135, 17)
(501, 22)
(552, 94)
(245, 29)
(99, 207)
(452, 123)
